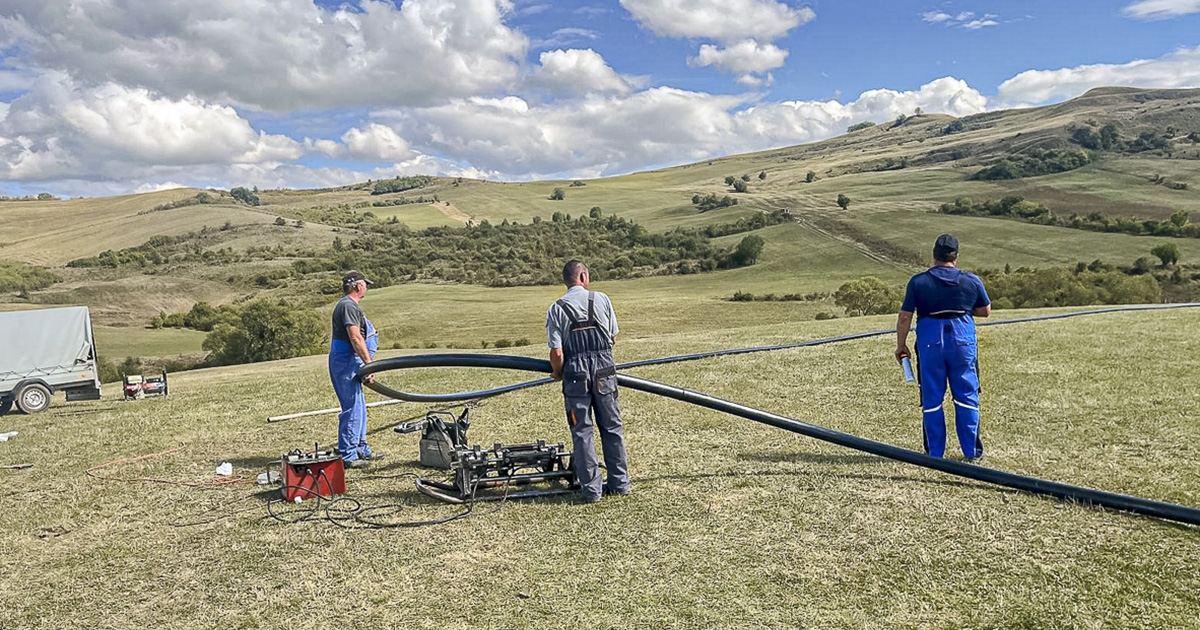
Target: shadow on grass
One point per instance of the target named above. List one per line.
(954, 483)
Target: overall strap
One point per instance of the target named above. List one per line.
(591, 311)
(569, 311)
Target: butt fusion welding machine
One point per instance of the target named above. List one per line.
(485, 475)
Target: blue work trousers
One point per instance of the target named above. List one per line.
(947, 355)
(344, 364)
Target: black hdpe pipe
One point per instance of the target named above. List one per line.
(487, 393)
(1157, 509)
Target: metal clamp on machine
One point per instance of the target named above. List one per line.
(486, 475)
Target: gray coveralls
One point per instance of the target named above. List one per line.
(590, 382)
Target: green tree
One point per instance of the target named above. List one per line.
(1180, 218)
(740, 186)
(747, 251)
(843, 201)
(810, 177)
(729, 179)
(867, 296)
(558, 194)
(266, 331)
(1168, 253)
(45, 196)
(746, 177)
(245, 196)
(762, 175)
(594, 212)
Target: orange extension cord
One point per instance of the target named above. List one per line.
(191, 484)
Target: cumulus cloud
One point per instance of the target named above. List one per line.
(964, 19)
(604, 135)
(745, 58)
(578, 72)
(58, 129)
(375, 142)
(279, 55)
(1179, 69)
(1161, 9)
(720, 20)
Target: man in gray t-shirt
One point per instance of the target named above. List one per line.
(580, 328)
(349, 350)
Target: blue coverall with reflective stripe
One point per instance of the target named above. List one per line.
(943, 298)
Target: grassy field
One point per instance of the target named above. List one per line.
(730, 524)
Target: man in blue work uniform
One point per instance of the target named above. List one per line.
(352, 344)
(946, 300)
(580, 328)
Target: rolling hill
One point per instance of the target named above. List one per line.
(895, 174)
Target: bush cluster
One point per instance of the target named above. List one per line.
(21, 278)
(513, 254)
(1033, 163)
(400, 184)
(746, 296)
(1013, 206)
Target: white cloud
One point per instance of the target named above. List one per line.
(61, 130)
(1178, 69)
(375, 142)
(1161, 9)
(607, 135)
(578, 72)
(281, 55)
(720, 20)
(150, 187)
(964, 19)
(975, 25)
(743, 58)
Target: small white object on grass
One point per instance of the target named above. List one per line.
(297, 499)
(225, 469)
(5, 436)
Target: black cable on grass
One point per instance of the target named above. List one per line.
(1157, 509)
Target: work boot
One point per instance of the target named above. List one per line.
(375, 457)
(358, 463)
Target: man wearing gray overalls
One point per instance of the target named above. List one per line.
(580, 328)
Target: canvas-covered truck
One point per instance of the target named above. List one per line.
(46, 351)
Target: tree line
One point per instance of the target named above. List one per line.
(1014, 206)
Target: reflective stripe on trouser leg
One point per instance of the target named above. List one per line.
(964, 388)
(342, 369)
(583, 459)
(612, 439)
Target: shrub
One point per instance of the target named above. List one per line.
(867, 296)
(266, 331)
(245, 196)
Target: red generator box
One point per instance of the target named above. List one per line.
(307, 475)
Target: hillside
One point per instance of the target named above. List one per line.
(895, 175)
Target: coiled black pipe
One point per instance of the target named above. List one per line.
(1157, 509)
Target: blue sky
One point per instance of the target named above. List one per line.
(111, 98)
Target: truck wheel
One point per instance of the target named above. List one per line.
(33, 398)
(5, 406)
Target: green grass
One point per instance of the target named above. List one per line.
(118, 343)
(730, 524)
